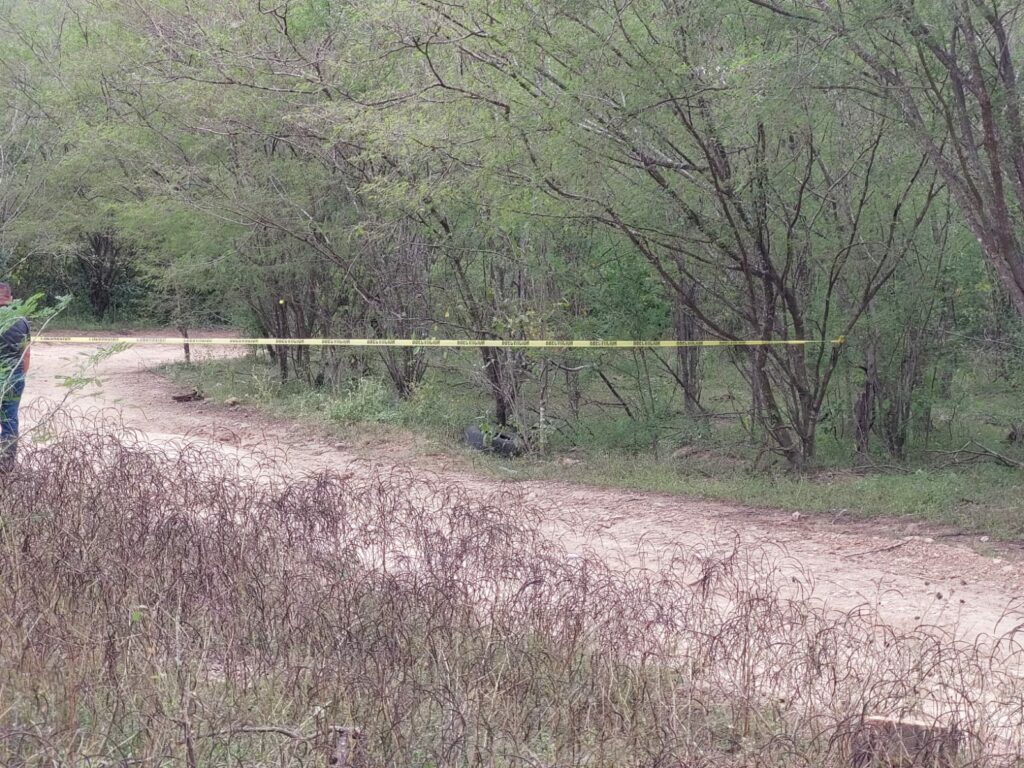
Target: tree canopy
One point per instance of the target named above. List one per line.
(747, 169)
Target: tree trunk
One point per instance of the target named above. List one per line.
(281, 332)
(504, 400)
(406, 368)
(183, 330)
(101, 266)
(768, 414)
(574, 393)
(689, 359)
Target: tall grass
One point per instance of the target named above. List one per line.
(163, 607)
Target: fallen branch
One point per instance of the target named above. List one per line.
(271, 729)
(979, 452)
(888, 548)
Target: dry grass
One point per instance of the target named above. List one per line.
(161, 607)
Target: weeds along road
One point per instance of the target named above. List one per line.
(955, 582)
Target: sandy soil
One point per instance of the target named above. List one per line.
(912, 574)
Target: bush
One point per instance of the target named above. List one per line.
(369, 400)
(442, 408)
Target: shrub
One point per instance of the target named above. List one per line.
(369, 400)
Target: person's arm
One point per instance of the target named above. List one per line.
(26, 358)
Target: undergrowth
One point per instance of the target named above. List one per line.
(708, 461)
(165, 607)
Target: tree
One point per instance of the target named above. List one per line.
(948, 70)
(768, 214)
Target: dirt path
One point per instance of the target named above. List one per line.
(912, 578)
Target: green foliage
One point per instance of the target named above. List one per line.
(695, 458)
(651, 171)
(369, 400)
(624, 300)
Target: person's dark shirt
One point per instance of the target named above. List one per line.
(12, 345)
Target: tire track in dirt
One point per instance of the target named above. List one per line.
(911, 578)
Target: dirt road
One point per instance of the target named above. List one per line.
(955, 582)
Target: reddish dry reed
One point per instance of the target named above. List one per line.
(162, 607)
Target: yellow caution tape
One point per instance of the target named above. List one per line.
(529, 343)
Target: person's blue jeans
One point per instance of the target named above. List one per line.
(9, 403)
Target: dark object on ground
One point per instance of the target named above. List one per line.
(505, 443)
(189, 397)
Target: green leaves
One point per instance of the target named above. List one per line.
(508, 169)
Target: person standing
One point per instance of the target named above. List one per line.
(15, 357)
